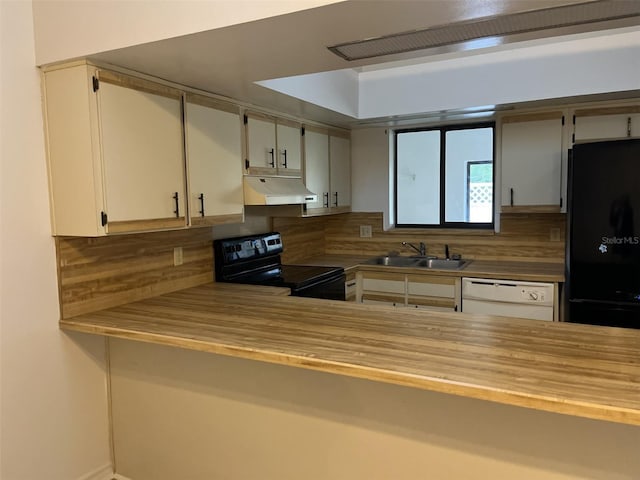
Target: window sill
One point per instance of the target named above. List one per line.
(483, 232)
(530, 209)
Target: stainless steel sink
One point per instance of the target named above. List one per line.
(418, 262)
(394, 261)
(442, 263)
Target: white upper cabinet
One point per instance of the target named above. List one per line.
(273, 146)
(289, 142)
(115, 152)
(316, 163)
(141, 154)
(340, 169)
(261, 143)
(327, 161)
(533, 156)
(606, 123)
(214, 161)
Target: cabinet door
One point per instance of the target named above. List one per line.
(316, 158)
(289, 149)
(340, 168)
(214, 156)
(602, 127)
(350, 287)
(142, 158)
(381, 287)
(532, 162)
(433, 292)
(261, 144)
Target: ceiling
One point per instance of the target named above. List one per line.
(229, 61)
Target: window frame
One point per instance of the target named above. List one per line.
(443, 224)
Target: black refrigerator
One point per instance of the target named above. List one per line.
(603, 245)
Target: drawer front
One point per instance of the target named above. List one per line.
(383, 285)
(431, 289)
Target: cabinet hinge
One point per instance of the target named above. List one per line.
(302, 131)
(573, 138)
(560, 202)
(103, 218)
(245, 119)
(562, 119)
(574, 119)
(96, 83)
(246, 164)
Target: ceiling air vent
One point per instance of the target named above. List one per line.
(497, 26)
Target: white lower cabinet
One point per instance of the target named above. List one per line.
(350, 287)
(433, 292)
(422, 291)
(381, 288)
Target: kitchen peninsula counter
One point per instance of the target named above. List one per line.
(580, 370)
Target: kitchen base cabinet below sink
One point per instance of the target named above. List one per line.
(431, 292)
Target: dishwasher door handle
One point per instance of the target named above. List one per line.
(495, 284)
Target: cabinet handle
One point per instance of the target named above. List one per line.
(325, 197)
(351, 284)
(511, 192)
(455, 309)
(273, 159)
(177, 210)
(284, 153)
(201, 198)
(336, 200)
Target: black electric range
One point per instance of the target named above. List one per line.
(255, 260)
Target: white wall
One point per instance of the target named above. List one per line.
(67, 29)
(180, 414)
(370, 172)
(53, 385)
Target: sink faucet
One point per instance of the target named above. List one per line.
(422, 250)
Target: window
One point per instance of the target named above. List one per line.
(445, 177)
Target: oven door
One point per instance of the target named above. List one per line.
(329, 288)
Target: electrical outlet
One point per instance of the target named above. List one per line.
(177, 256)
(365, 231)
(554, 234)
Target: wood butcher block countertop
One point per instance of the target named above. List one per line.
(525, 271)
(579, 370)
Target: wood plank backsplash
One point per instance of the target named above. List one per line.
(103, 272)
(302, 237)
(523, 237)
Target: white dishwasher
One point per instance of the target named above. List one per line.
(508, 298)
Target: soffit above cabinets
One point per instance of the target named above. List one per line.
(239, 61)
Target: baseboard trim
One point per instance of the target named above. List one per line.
(105, 472)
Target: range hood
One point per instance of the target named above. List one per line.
(276, 191)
